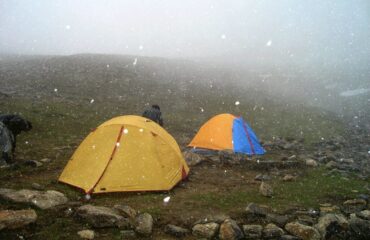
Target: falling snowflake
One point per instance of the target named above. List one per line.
(87, 197)
(141, 130)
(268, 44)
(92, 101)
(55, 89)
(166, 199)
(223, 36)
(93, 146)
(108, 66)
(26, 142)
(135, 62)
(201, 109)
(125, 131)
(117, 144)
(141, 47)
(237, 103)
(67, 27)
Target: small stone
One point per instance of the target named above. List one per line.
(279, 220)
(207, 230)
(303, 231)
(128, 234)
(354, 205)
(311, 163)
(86, 234)
(288, 178)
(254, 210)
(33, 163)
(229, 230)
(144, 224)
(252, 231)
(175, 230)
(16, 219)
(365, 214)
(261, 177)
(45, 160)
(271, 231)
(126, 211)
(191, 158)
(266, 190)
(37, 186)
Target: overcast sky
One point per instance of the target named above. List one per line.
(192, 28)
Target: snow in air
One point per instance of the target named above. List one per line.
(268, 44)
(117, 144)
(108, 66)
(141, 47)
(166, 199)
(92, 101)
(237, 103)
(55, 89)
(125, 131)
(141, 130)
(68, 27)
(355, 92)
(135, 62)
(87, 197)
(223, 36)
(201, 109)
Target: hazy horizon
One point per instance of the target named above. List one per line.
(335, 32)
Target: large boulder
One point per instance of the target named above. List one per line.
(229, 230)
(16, 219)
(252, 231)
(144, 224)
(42, 200)
(207, 230)
(332, 226)
(100, 217)
(303, 231)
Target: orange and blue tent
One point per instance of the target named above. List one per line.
(227, 132)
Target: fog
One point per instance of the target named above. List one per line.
(321, 42)
(317, 30)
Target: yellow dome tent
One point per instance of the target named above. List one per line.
(127, 153)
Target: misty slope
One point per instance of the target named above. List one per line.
(103, 86)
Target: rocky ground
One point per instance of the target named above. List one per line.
(349, 219)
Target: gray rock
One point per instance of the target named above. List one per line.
(262, 177)
(279, 220)
(128, 234)
(354, 205)
(125, 211)
(175, 230)
(303, 231)
(42, 200)
(365, 214)
(253, 211)
(207, 230)
(271, 231)
(37, 186)
(288, 178)
(229, 230)
(33, 163)
(311, 163)
(144, 225)
(100, 217)
(217, 218)
(16, 219)
(191, 158)
(331, 165)
(45, 160)
(86, 234)
(252, 231)
(359, 228)
(306, 220)
(266, 190)
(332, 225)
(289, 237)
